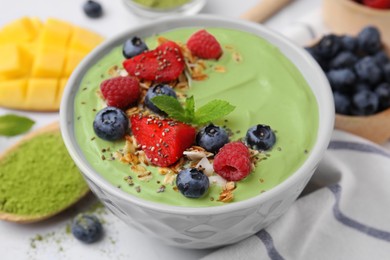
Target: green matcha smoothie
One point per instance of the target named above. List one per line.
(257, 78)
(161, 4)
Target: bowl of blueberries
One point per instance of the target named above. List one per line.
(358, 70)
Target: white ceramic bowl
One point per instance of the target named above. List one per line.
(208, 226)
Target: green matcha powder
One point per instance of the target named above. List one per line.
(39, 177)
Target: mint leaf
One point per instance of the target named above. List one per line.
(11, 125)
(187, 114)
(211, 111)
(189, 108)
(171, 106)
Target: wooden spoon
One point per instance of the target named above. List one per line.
(264, 10)
(54, 127)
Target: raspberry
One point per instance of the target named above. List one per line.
(120, 92)
(163, 64)
(204, 45)
(380, 4)
(233, 162)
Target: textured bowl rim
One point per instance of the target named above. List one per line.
(325, 127)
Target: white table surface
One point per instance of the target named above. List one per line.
(120, 241)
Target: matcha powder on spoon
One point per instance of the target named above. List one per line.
(39, 177)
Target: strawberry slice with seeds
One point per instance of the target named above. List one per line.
(120, 92)
(162, 140)
(163, 64)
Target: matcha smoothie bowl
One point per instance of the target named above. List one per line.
(266, 101)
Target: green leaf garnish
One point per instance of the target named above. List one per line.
(11, 125)
(211, 111)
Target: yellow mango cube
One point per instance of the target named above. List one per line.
(55, 33)
(20, 30)
(73, 58)
(13, 93)
(14, 61)
(48, 63)
(37, 24)
(61, 87)
(84, 40)
(41, 94)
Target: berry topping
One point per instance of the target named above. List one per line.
(204, 45)
(212, 138)
(110, 124)
(365, 102)
(158, 90)
(192, 182)
(379, 4)
(341, 80)
(386, 72)
(343, 60)
(348, 43)
(342, 103)
(163, 141)
(93, 9)
(163, 64)
(383, 92)
(87, 228)
(328, 46)
(368, 71)
(133, 47)
(260, 137)
(381, 58)
(369, 40)
(120, 92)
(233, 162)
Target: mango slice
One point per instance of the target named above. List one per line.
(84, 40)
(37, 59)
(41, 94)
(13, 93)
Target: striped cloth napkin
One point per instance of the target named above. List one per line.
(344, 212)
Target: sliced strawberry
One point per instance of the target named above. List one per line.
(204, 45)
(163, 141)
(120, 92)
(163, 64)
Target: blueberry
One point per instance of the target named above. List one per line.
(368, 71)
(260, 137)
(110, 124)
(381, 58)
(323, 63)
(192, 182)
(365, 102)
(342, 103)
(212, 138)
(87, 228)
(343, 60)
(158, 90)
(383, 92)
(133, 47)
(328, 46)
(369, 40)
(359, 86)
(93, 9)
(348, 43)
(386, 72)
(341, 80)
